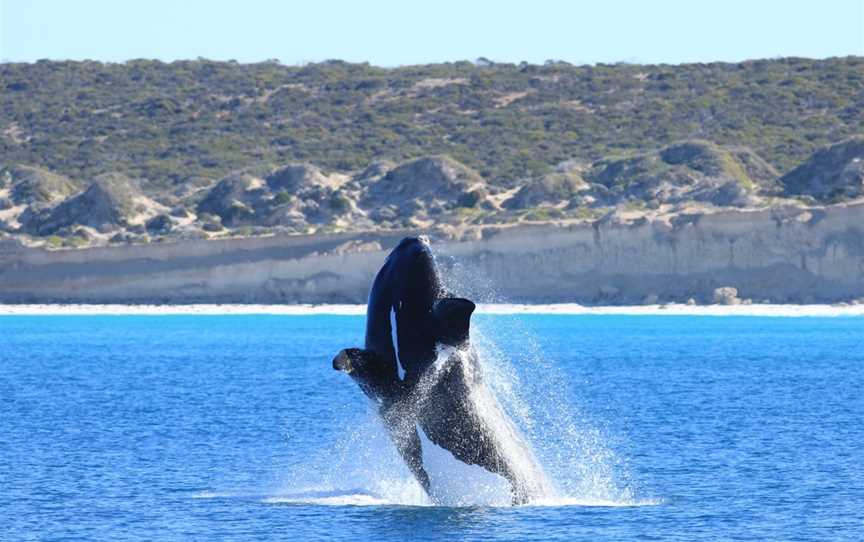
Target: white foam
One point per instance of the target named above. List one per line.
(355, 499)
(600, 503)
(359, 497)
(157, 310)
(490, 308)
(207, 494)
(676, 309)
(211, 495)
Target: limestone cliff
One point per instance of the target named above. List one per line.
(790, 254)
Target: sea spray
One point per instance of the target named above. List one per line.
(532, 414)
(515, 450)
(507, 452)
(571, 448)
(364, 466)
(455, 374)
(526, 407)
(540, 400)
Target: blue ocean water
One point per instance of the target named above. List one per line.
(236, 427)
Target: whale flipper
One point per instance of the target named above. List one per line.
(452, 320)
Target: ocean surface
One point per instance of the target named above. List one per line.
(236, 427)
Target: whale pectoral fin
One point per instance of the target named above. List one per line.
(452, 317)
(345, 360)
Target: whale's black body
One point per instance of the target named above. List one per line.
(408, 292)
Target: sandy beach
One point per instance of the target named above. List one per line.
(560, 308)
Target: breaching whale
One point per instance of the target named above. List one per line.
(431, 325)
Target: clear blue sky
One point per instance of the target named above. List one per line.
(392, 33)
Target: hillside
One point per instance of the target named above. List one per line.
(94, 153)
(169, 122)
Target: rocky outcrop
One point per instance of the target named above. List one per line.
(687, 171)
(235, 198)
(375, 170)
(159, 224)
(304, 195)
(425, 192)
(556, 188)
(32, 185)
(424, 187)
(112, 201)
(797, 255)
(298, 177)
(714, 161)
(292, 196)
(832, 174)
(726, 295)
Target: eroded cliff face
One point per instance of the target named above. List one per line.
(782, 255)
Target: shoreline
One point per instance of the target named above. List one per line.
(358, 310)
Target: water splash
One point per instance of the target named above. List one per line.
(565, 459)
(531, 414)
(539, 398)
(573, 452)
(513, 452)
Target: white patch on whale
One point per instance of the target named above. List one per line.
(394, 334)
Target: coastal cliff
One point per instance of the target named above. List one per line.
(785, 255)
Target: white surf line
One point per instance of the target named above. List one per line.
(679, 310)
(165, 310)
(353, 310)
